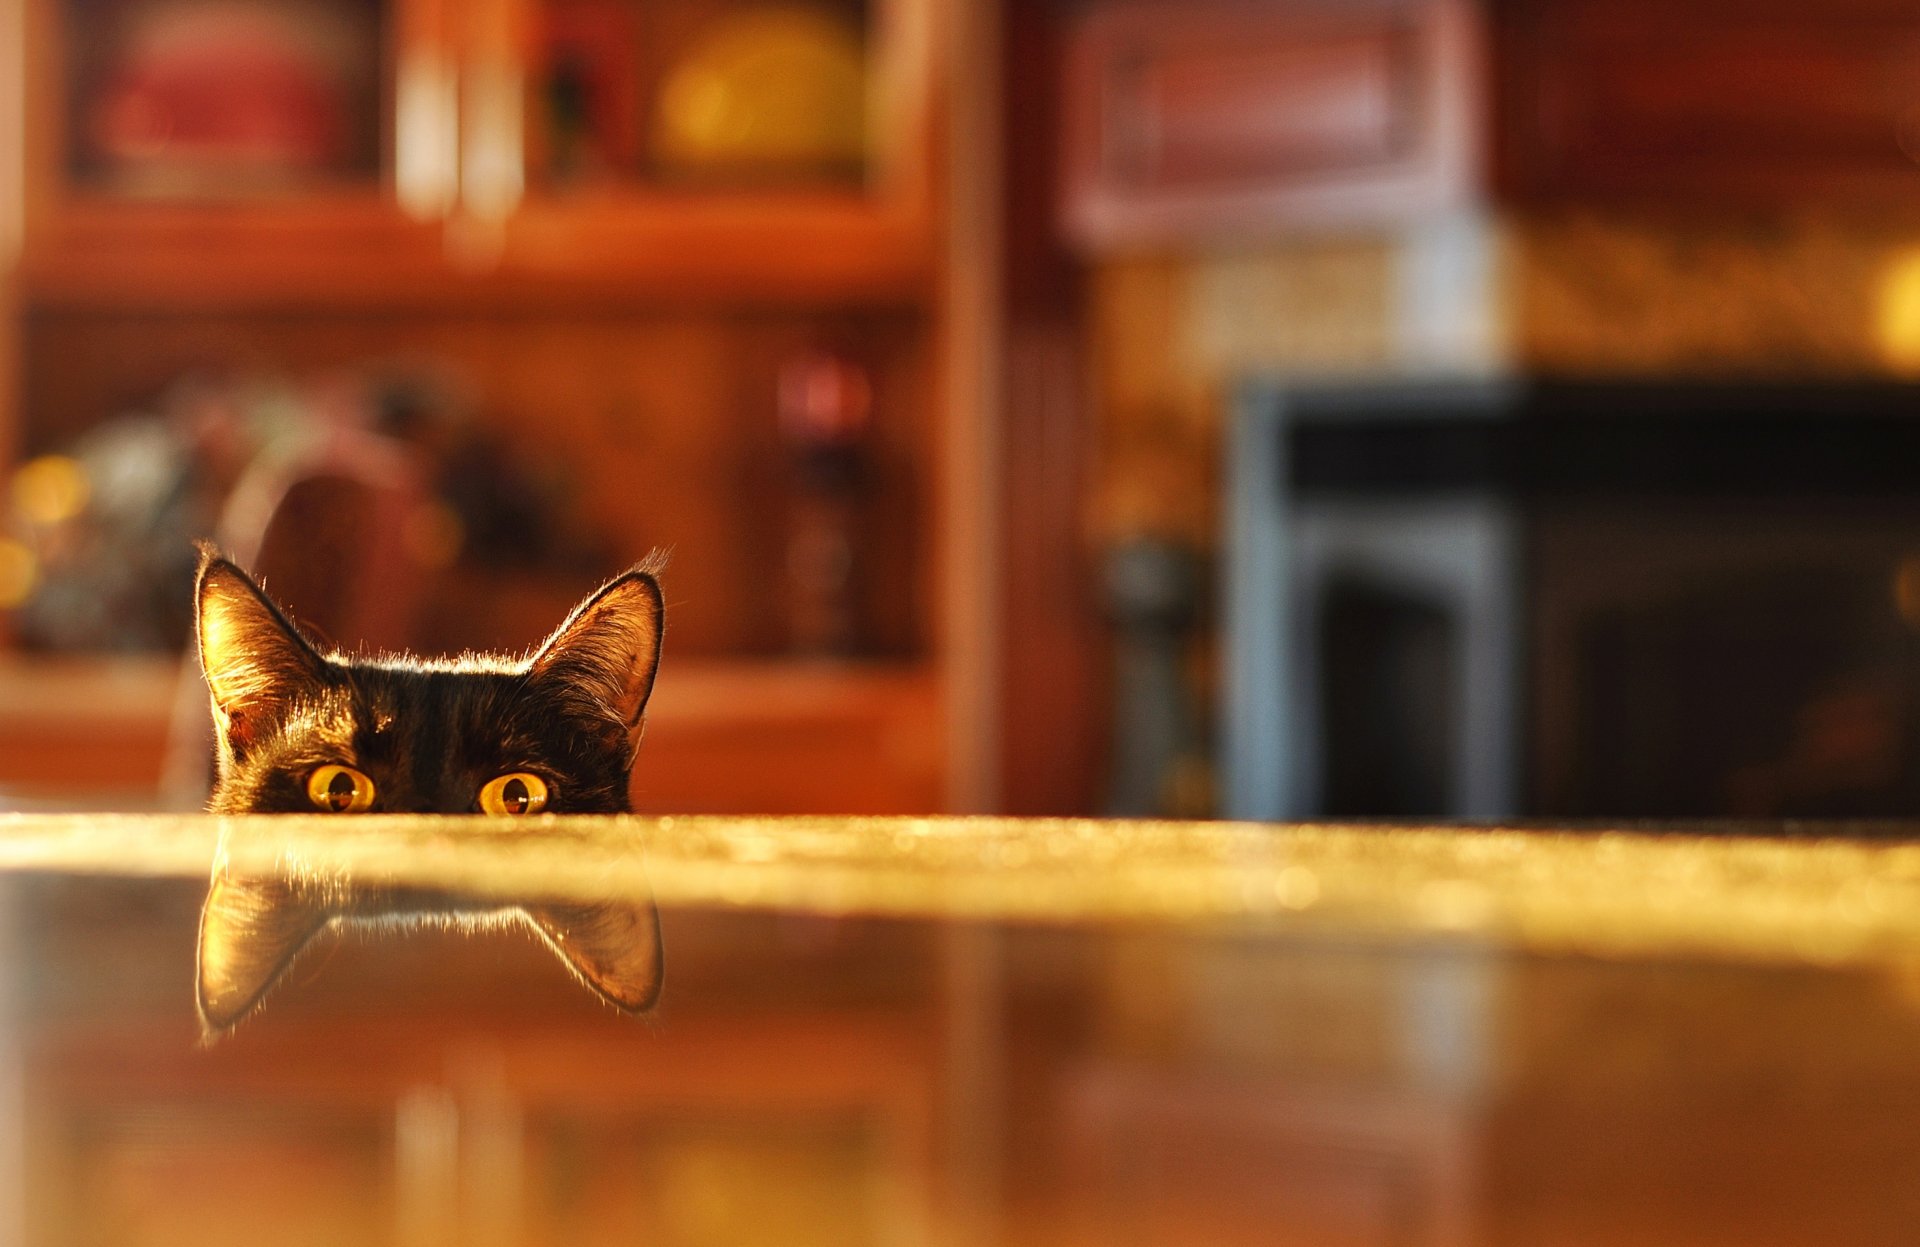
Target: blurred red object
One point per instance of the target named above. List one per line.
(204, 93)
(825, 409)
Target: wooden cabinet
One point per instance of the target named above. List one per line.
(490, 197)
(1197, 120)
(447, 187)
(1712, 103)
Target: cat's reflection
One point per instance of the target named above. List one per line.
(252, 929)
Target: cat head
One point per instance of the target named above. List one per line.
(302, 728)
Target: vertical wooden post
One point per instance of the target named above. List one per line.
(1054, 665)
(970, 639)
(13, 225)
(974, 364)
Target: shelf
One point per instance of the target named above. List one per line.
(768, 736)
(793, 245)
(355, 252)
(458, 207)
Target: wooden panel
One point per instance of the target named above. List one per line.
(1763, 103)
(785, 739)
(1191, 121)
(774, 738)
(355, 252)
(664, 425)
(96, 727)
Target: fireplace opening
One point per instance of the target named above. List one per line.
(1574, 600)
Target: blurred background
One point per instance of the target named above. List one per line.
(1273, 408)
(1262, 408)
(1258, 408)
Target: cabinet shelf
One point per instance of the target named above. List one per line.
(359, 251)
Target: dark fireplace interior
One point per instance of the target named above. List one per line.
(1572, 600)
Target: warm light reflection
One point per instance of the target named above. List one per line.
(1906, 590)
(1824, 901)
(1296, 887)
(254, 926)
(1897, 326)
(18, 572)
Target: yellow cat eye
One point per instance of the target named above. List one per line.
(340, 789)
(516, 793)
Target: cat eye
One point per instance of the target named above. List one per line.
(515, 793)
(340, 789)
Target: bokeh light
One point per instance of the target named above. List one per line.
(18, 572)
(50, 490)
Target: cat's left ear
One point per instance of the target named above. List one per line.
(609, 648)
(250, 932)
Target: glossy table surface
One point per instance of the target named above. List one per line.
(964, 1032)
(1806, 894)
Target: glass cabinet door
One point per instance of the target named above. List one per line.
(394, 150)
(737, 147)
(180, 100)
(702, 95)
(220, 150)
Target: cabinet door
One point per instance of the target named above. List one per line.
(1763, 103)
(728, 149)
(1189, 121)
(183, 153)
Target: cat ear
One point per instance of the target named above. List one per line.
(614, 946)
(609, 647)
(250, 932)
(255, 661)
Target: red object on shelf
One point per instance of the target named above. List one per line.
(199, 95)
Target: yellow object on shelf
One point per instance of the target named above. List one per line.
(770, 91)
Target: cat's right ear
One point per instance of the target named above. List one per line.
(256, 664)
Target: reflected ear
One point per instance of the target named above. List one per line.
(256, 664)
(614, 947)
(250, 932)
(609, 648)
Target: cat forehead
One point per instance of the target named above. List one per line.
(405, 686)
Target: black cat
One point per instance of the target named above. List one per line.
(304, 729)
